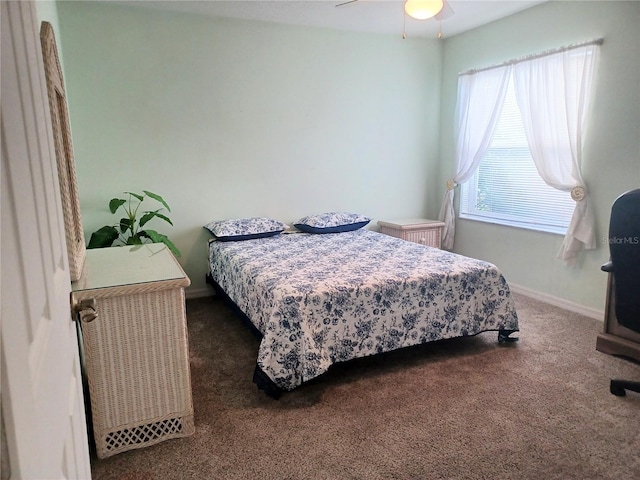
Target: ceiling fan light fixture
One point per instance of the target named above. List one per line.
(423, 9)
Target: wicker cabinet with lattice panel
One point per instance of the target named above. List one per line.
(135, 351)
(418, 230)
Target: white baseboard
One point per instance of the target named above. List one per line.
(190, 293)
(558, 302)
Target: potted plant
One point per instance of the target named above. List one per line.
(130, 229)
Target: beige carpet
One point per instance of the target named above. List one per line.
(460, 409)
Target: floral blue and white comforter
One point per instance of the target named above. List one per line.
(322, 299)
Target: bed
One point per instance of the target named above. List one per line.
(315, 300)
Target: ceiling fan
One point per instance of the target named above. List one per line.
(421, 9)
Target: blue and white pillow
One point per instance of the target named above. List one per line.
(245, 228)
(332, 222)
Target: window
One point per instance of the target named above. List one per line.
(506, 188)
(553, 91)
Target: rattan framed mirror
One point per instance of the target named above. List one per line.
(76, 249)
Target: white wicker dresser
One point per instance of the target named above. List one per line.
(136, 355)
(418, 230)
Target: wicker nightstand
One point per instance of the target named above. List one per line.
(136, 355)
(418, 230)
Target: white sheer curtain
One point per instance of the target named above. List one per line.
(480, 100)
(553, 94)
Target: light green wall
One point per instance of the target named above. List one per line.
(230, 118)
(612, 151)
(227, 118)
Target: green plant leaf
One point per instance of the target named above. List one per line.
(158, 198)
(115, 204)
(146, 217)
(149, 215)
(135, 239)
(104, 237)
(165, 218)
(137, 195)
(125, 224)
(156, 237)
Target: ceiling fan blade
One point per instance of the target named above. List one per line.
(346, 3)
(446, 11)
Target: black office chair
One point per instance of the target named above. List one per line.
(624, 247)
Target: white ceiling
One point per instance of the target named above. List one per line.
(375, 16)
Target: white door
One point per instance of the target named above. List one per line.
(42, 402)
